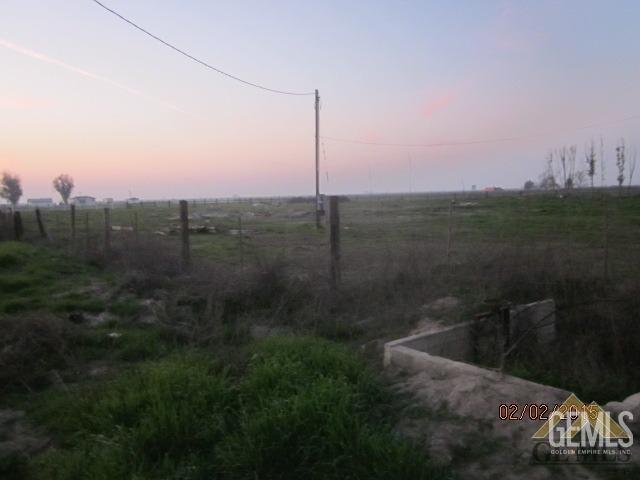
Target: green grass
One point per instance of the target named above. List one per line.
(37, 278)
(303, 408)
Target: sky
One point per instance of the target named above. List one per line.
(83, 93)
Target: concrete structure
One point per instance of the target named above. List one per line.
(40, 202)
(83, 200)
(532, 324)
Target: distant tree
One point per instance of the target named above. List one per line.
(529, 185)
(620, 162)
(64, 186)
(632, 165)
(10, 188)
(548, 178)
(590, 157)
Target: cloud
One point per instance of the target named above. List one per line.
(437, 103)
(85, 73)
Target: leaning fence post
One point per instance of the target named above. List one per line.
(184, 222)
(18, 229)
(450, 231)
(73, 224)
(107, 230)
(43, 232)
(334, 241)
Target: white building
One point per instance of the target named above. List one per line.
(83, 200)
(40, 202)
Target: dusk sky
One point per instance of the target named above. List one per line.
(83, 93)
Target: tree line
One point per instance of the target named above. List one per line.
(11, 187)
(561, 171)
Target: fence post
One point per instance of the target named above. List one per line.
(4, 227)
(184, 222)
(43, 232)
(73, 224)
(450, 231)
(87, 233)
(135, 226)
(241, 242)
(606, 241)
(334, 241)
(107, 231)
(18, 229)
(505, 318)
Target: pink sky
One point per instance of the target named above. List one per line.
(87, 95)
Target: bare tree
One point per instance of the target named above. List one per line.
(548, 178)
(562, 155)
(10, 188)
(620, 162)
(632, 165)
(64, 186)
(602, 163)
(567, 158)
(590, 157)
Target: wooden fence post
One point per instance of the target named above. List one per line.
(73, 224)
(605, 265)
(107, 231)
(43, 232)
(450, 231)
(135, 226)
(18, 229)
(4, 225)
(334, 241)
(87, 233)
(184, 222)
(241, 241)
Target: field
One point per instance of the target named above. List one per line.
(108, 323)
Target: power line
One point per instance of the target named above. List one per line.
(439, 144)
(195, 59)
(474, 142)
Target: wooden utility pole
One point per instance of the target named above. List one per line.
(317, 159)
(184, 222)
(43, 232)
(334, 241)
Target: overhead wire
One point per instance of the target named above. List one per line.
(196, 59)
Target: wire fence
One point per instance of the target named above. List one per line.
(451, 231)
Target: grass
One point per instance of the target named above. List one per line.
(36, 278)
(302, 408)
(302, 395)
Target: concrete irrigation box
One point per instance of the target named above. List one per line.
(534, 322)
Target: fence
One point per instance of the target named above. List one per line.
(360, 234)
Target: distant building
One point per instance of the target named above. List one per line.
(108, 200)
(83, 200)
(133, 200)
(40, 202)
(493, 189)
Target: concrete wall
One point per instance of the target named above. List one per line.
(459, 342)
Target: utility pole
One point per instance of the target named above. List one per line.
(317, 159)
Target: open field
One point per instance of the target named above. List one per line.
(106, 323)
